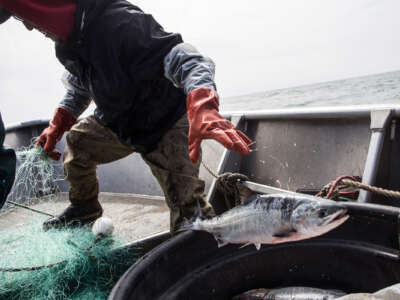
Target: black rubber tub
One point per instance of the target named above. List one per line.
(360, 256)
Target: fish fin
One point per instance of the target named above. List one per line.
(221, 242)
(199, 212)
(283, 234)
(188, 224)
(245, 245)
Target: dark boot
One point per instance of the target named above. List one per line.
(75, 215)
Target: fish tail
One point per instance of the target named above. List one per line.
(194, 222)
(190, 225)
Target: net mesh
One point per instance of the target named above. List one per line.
(67, 272)
(35, 178)
(57, 264)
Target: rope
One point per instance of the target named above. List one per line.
(209, 170)
(227, 182)
(373, 189)
(30, 209)
(347, 180)
(331, 190)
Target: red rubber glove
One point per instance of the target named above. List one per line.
(206, 123)
(62, 122)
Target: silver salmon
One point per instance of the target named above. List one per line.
(273, 219)
(290, 293)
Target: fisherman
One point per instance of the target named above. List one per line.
(7, 166)
(154, 95)
(7, 156)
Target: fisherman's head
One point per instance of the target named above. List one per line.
(55, 18)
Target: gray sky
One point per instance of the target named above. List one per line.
(257, 45)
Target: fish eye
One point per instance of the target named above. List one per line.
(322, 213)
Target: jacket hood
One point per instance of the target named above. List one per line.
(56, 16)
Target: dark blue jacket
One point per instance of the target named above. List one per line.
(116, 55)
(7, 167)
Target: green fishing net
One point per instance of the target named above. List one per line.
(57, 264)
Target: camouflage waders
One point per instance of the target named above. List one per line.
(90, 144)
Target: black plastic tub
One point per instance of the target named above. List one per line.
(360, 256)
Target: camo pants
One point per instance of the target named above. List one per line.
(89, 144)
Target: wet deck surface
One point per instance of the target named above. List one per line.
(134, 217)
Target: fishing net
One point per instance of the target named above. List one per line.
(36, 177)
(71, 263)
(57, 265)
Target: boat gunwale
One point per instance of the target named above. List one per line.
(349, 111)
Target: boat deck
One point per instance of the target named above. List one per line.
(134, 216)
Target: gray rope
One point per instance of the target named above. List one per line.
(30, 209)
(373, 189)
(209, 170)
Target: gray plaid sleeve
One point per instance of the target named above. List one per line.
(186, 68)
(77, 98)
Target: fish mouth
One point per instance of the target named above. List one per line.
(336, 219)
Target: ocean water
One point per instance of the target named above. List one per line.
(381, 88)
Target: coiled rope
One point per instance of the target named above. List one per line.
(227, 183)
